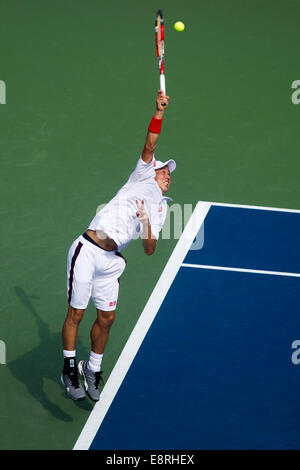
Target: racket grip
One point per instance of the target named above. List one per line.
(163, 83)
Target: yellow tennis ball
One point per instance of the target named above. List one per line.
(179, 26)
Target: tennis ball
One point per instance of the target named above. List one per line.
(179, 26)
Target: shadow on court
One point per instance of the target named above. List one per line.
(43, 362)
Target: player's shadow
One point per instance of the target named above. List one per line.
(43, 362)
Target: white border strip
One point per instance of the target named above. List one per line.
(242, 206)
(142, 326)
(240, 270)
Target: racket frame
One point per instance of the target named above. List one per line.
(160, 47)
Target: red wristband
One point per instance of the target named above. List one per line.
(155, 125)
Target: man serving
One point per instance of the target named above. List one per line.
(95, 264)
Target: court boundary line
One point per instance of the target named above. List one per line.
(247, 206)
(241, 270)
(142, 326)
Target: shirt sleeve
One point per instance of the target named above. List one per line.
(155, 229)
(143, 171)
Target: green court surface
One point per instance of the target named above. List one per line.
(81, 79)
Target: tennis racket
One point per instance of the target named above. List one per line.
(160, 48)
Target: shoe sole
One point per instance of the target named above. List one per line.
(68, 391)
(80, 370)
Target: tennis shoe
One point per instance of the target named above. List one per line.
(73, 387)
(91, 380)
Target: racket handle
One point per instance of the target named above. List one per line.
(163, 83)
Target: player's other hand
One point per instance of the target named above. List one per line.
(162, 101)
(141, 213)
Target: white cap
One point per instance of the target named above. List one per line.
(170, 163)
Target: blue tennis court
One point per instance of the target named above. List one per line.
(213, 368)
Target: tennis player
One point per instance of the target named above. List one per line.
(95, 264)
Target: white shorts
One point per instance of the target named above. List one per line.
(93, 273)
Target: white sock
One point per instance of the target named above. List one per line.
(94, 362)
(69, 353)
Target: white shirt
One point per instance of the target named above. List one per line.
(118, 218)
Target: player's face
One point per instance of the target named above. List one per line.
(163, 178)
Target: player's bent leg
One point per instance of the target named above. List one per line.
(100, 330)
(91, 370)
(70, 327)
(70, 376)
(80, 274)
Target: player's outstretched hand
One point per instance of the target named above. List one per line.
(141, 213)
(162, 101)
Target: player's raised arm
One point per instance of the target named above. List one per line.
(154, 128)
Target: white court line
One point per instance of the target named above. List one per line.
(142, 326)
(242, 206)
(241, 270)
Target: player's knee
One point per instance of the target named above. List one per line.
(75, 315)
(109, 319)
(106, 319)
